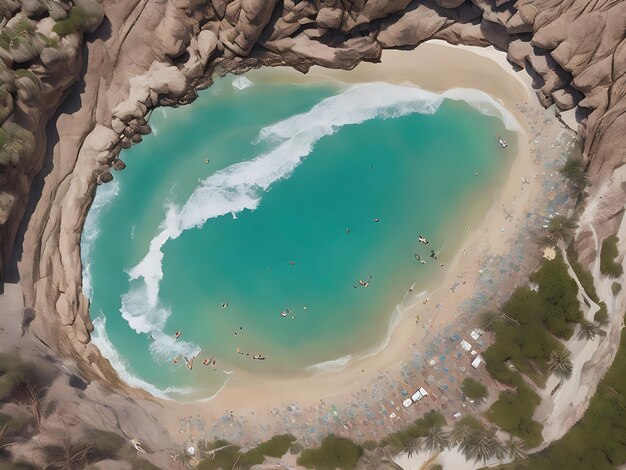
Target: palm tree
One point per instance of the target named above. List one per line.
(559, 229)
(589, 329)
(435, 439)
(560, 364)
(574, 171)
(461, 435)
(412, 447)
(483, 447)
(487, 320)
(516, 448)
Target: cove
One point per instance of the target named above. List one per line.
(269, 198)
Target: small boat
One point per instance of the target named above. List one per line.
(283, 313)
(503, 143)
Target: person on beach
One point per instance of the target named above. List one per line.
(189, 363)
(177, 335)
(205, 361)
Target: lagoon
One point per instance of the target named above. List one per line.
(272, 197)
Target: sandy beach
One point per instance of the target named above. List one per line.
(261, 406)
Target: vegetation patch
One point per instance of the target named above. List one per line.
(608, 253)
(598, 440)
(602, 315)
(72, 24)
(513, 413)
(473, 389)
(616, 288)
(335, 452)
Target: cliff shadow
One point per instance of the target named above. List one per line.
(69, 105)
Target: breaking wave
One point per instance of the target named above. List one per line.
(241, 186)
(242, 82)
(100, 339)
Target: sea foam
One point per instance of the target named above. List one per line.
(100, 339)
(241, 186)
(104, 195)
(242, 82)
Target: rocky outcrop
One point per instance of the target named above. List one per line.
(149, 54)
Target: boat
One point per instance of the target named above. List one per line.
(503, 143)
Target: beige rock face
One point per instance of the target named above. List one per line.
(153, 53)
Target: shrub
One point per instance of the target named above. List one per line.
(15, 143)
(277, 446)
(602, 315)
(72, 24)
(608, 253)
(473, 389)
(513, 413)
(616, 288)
(335, 452)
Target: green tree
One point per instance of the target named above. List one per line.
(473, 389)
(608, 253)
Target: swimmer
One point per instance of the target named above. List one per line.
(205, 361)
(225, 304)
(189, 363)
(207, 161)
(377, 220)
(293, 263)
(433, 254)
(361, 282)
(476, 173)
(175, 360)
(422, 239)
(418, 257)
(177, 335)
(347, 230)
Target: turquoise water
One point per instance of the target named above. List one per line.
(281, 219)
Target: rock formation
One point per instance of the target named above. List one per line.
(108, 63)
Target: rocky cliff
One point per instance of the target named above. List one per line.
(108, 62)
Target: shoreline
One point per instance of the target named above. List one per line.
(252, 395)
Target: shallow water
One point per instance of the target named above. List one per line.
(281, 219)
